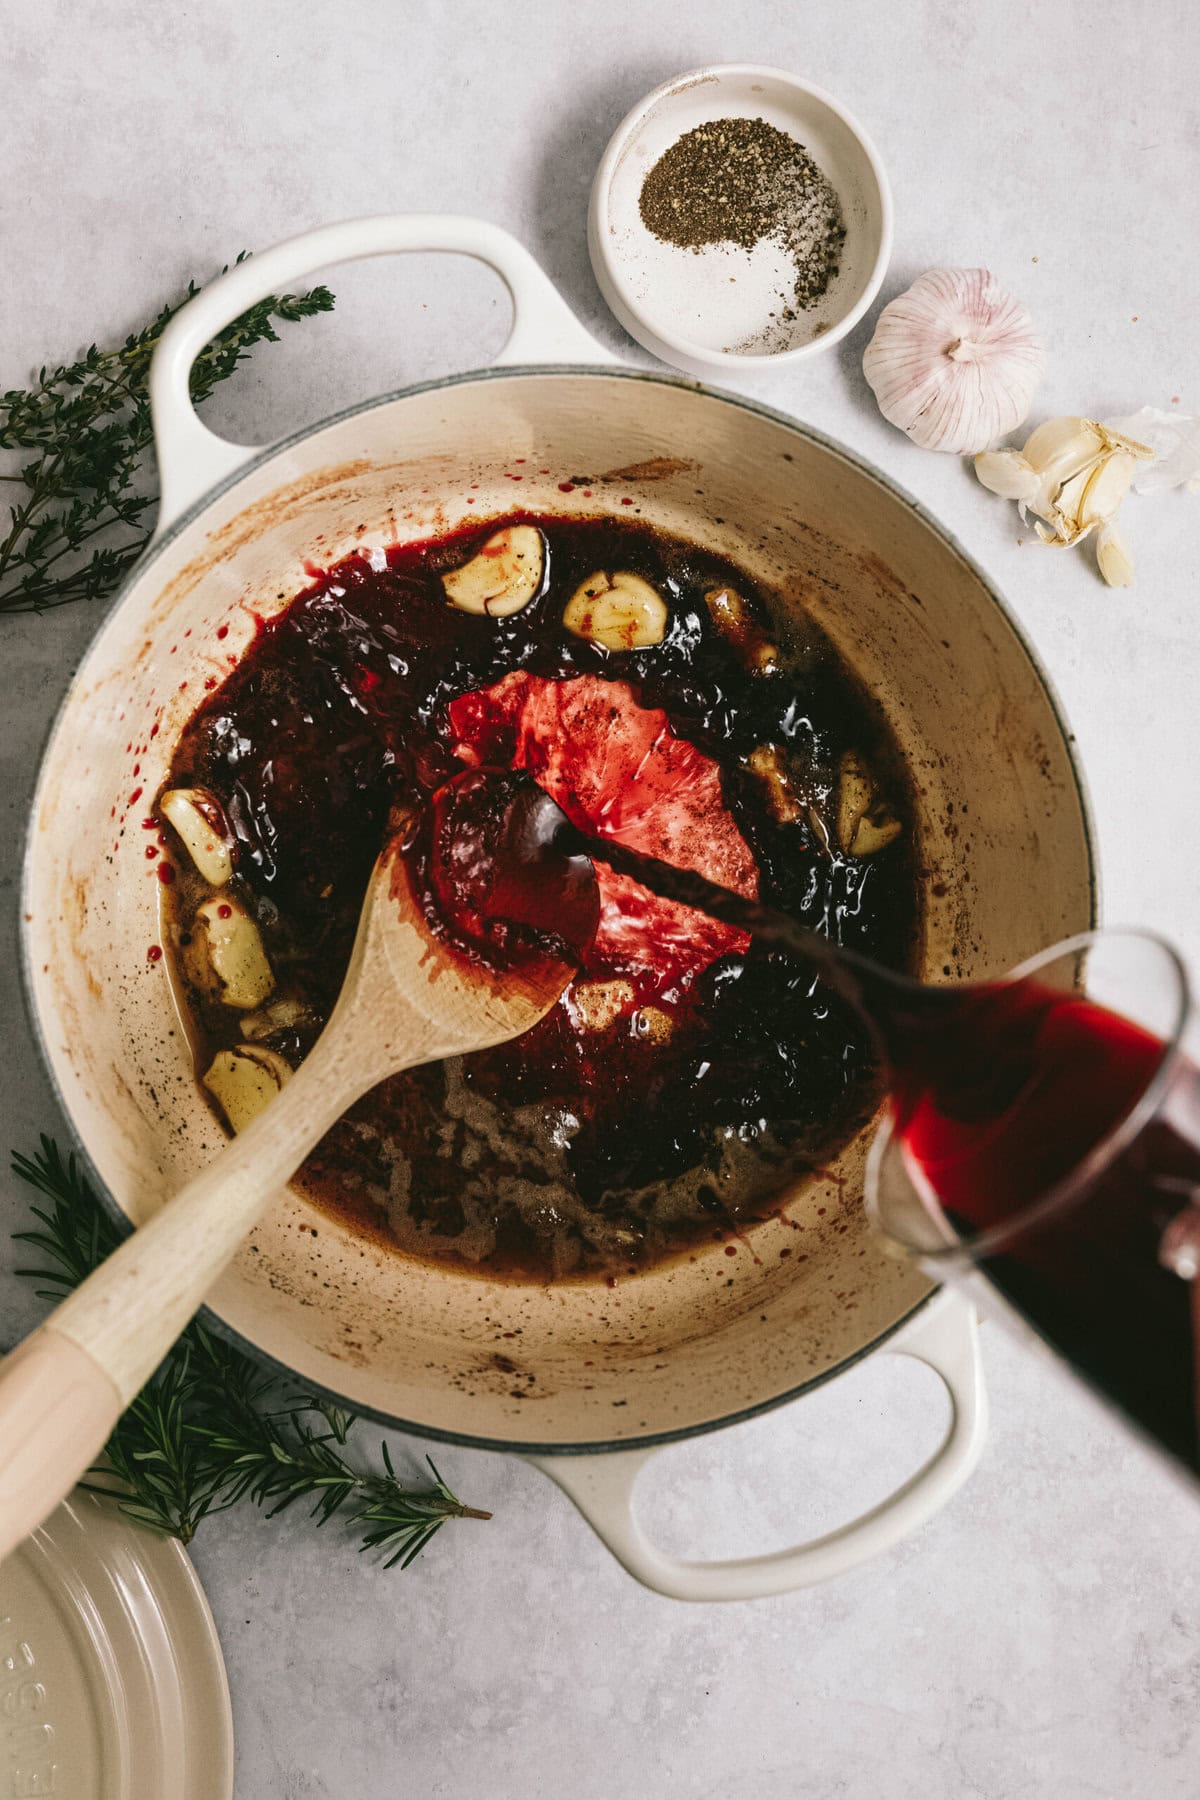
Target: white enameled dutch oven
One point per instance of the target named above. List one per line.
(592, 1379)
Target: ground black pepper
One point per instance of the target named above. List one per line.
(738, 181)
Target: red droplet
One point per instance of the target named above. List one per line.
(182, 685)
(223, 631)
(112, 812)
(128, 748)
(470, 499)
(224, 911)
(165, 873)
(154, 953)
(210, 681)
(154, 729)
(137, 768)
(566, 487)
(786, 1251)
(610, 1281)
(731, 1249)
(174, 648)
(587, 493)
(627, 503)
(135, 796)
(149, 824)
(151, 851)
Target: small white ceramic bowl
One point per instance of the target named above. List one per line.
(694, 309)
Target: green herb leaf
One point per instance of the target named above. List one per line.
(204, 1433)
(84, 506)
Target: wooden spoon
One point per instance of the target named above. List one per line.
(408, 998)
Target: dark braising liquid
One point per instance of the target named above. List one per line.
(688, 1075)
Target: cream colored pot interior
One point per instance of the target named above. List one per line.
(1004, 846)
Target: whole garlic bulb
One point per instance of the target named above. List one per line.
(955, 361)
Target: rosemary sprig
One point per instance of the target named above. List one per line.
(84, 509)
(203, 1434)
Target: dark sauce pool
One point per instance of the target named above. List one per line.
(675, 1091)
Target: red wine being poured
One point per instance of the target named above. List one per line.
(1016, 1118)
(1010, 1104)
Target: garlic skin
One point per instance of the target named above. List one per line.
(1175, 440)
(1073, 475)
(955, 361)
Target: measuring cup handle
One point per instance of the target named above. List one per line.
(192, 459)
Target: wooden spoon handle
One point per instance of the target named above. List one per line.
(64, 1388)
(57, 1408)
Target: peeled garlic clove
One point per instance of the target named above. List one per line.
(1114, 557)
(198, 819)
(874, 831)
(1065, 513)
(1006, 472)
(225, 957)
(653, 1024)
(595, 1005)
(865, 821)
(954, 362)
(1061, 447)
(619, 612)
(504, 575)
(734, 619)
(856, 790)
(1107, 487)
(244, 1080)
(281, 1014)
(768, 764)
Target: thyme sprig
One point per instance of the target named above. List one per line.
(211, 1428)
(84, 503)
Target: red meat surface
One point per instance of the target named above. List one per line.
(618, 770)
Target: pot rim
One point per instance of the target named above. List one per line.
(255, 459)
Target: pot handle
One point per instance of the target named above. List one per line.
(192, 459)
(945, 1336)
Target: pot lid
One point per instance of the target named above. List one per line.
(112, 1685)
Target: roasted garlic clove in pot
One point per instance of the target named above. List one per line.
(504, 575)
(618, 612)
(865, 820)
(595, 1005)
(198, 819)
(769, 764)
(735, 620)
(225, 955)
(284, 1013)
(244, 1080)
